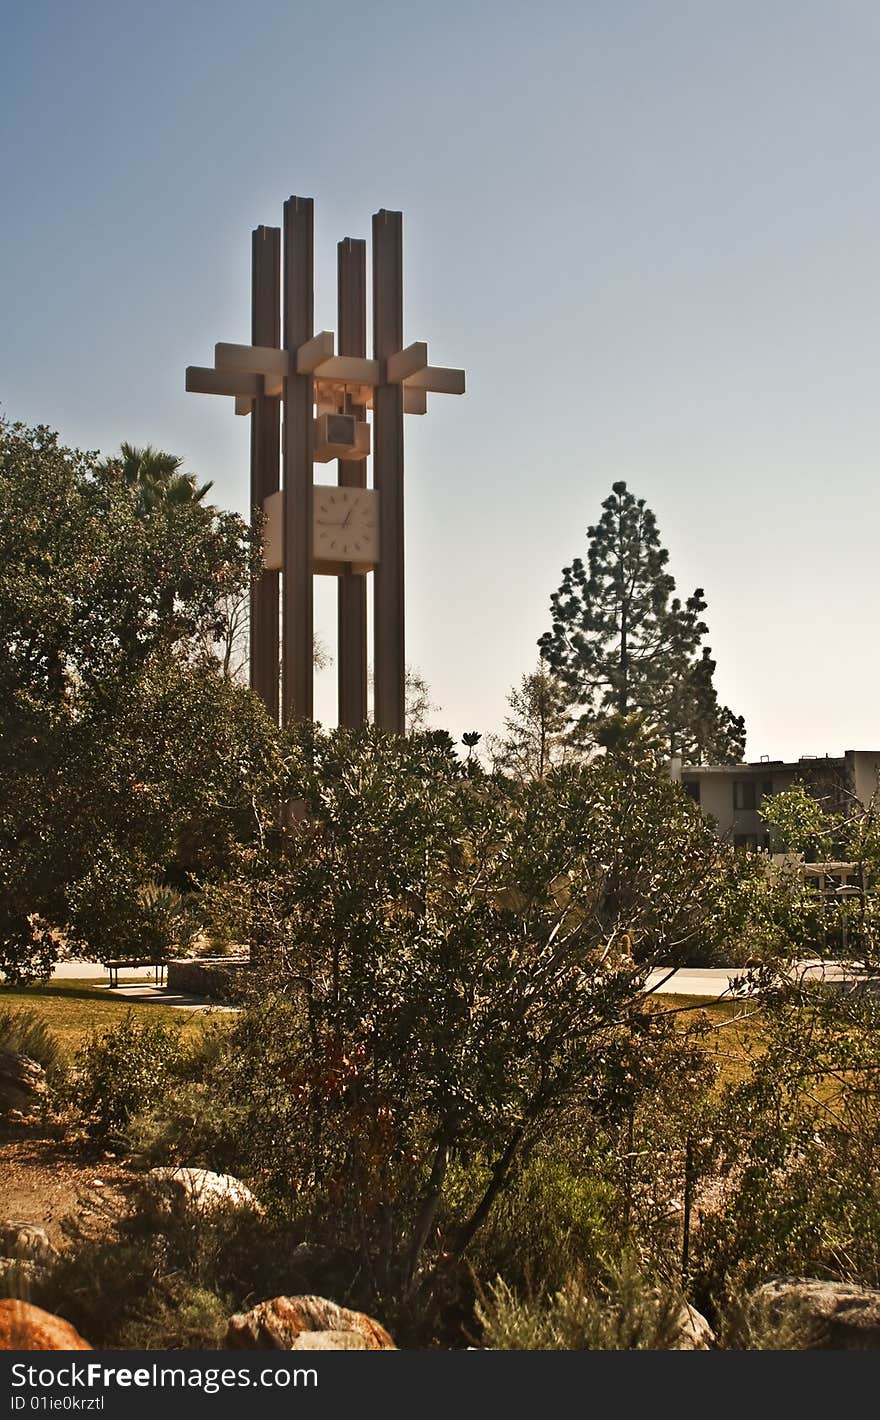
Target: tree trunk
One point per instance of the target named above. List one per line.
(427, 1211)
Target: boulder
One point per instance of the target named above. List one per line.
(203, 1190)
(837, 1316)
(26, 1241)
(297, 1323)
(693, 1331)
(22, 1083)
(27, 1328)
(330, 1341)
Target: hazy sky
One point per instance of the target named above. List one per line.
(649, 230)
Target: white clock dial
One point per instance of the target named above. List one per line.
(346, 525)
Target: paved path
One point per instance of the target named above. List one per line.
(709, 981)
(714, 981)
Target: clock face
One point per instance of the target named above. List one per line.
(346, 525)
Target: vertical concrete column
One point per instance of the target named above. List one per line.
(265, 455)
(388, 608)
(351, 265)
(297, 672)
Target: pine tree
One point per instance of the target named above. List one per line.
(697, 728)
(540, 733)
(621, 642)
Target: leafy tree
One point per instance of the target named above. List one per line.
(621, 641)
(804, 826)
(539, 733)
(419, 706)
(120, 748)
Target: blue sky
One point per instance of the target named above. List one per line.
(649, 231)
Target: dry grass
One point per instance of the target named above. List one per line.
(735, 1034)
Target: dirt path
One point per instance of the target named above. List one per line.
(44, 1179)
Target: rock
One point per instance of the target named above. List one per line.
(204, 1190)
(26, 1241)
(694, 1332)
(27, 1328)
(22, 1083)
(837, 1316)
(294, 1323)
(330, 1341)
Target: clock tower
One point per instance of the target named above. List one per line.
(310, 402)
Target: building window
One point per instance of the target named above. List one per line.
(767, 789)
(692, 787)
(746, 841)
(744, 794)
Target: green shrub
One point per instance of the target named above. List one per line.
(750, 1323)
(166, 1277)
(166, 920)
(628, 1312)
(24, 1032)
(556, 1219)
(124, 1071)
(799, 1150)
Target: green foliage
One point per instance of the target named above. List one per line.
(750, 1323)
(124, 1071)
(700, 730)
(125, 758)
(558, 1217)
(628, 1313)
(168, 920)
(164, 1278)
(155, 479)
(798, 1148)
(456, 956)
(23, 1032)
(620, 641)
(801, 823)
(539, 733)
(763, 912)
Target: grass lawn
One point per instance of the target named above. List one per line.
(735, 1034)
(73, 1009)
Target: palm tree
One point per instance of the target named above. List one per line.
(155, 478)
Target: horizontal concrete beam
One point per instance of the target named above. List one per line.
(256, 359)
(315, 352)
(437, 379)
(407, 363)
(348, 370)
(201, 379)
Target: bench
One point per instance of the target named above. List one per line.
(120, 964)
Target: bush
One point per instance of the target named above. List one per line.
(166, 920)
(124, 1071)
(749, 1323)
(627, 1312)
(457, 956)
(557, 1219)
(24, 1032)
(799, 1145)
(168, 1278)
